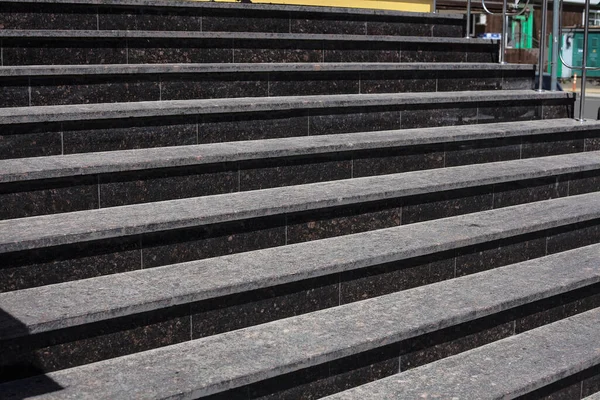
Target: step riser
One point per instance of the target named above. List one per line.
(46, 139)
(41, 266)
(43, 91)
(207, 19)
(94, 342)
(576, 386)
(58, 195)
(59, 51)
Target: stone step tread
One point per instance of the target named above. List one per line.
(217, 363)
(116, 34)
(114, 222)
(248, 7)
(122, 69)
(36, 114)
(79, 302)
(595, 396)
(505, 369)
(25, 169)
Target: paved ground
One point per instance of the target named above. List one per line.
(592, 102)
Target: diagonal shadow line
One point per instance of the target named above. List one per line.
(27, 365)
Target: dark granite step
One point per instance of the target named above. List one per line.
(219, 17)
(63, 247)
(84, 84)
(52, 130)
(55, 184)
(51, 47)
(327, 351)
(527, 364)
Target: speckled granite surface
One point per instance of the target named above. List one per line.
(90, 300)
(216, 106)
(43, 70)
(52, 230)
(206, 366)
(508, 368)
(130, 160)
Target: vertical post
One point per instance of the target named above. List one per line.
(555, 39)
(542, 57)
(434, 6)
(586, 29)
(468, 34)
(504, 31)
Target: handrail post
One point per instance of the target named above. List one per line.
(555, 38)
(504, 31)
(468, 34)
(434, 6)
(542, 42)
(586, 29)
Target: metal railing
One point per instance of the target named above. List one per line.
(505, 15)
(584, 67)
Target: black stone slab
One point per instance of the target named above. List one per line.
(30, 140)
(172, 247)
(498, 253)
(26, 199)
(262, 174)
(166, 184)
(149, 19)
(392, 277)
(14, 92)
(251, 308)
(332, 121)
(135, 133)
(63, 51)
(398, 82)
(84, 90)
(252, 126)
(41, 267)
(85, 344)
(47, 16)
(197, 86)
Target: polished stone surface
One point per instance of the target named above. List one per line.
(245, 68)
(506, 368)
(167, 184)
(280, 265)
(262, 174)
(494, 254)
(85, 90)
(72, 347)
(406, 150)
(256, 307)
(429, 188)
(191, 244)
(270, 104)
(328, 335)
(26, 199)
(22, 270)
(109, 135)
(30, 140)
(181, 87)
(447, 342)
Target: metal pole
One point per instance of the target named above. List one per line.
(468, 35)
(434, 6)
(555, 39)
(542, 54)
(504, 38)
(586, 28)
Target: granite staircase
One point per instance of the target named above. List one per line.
(242, 201)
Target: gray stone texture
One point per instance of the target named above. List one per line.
(204, 367)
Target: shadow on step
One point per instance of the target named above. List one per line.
(27, 366)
